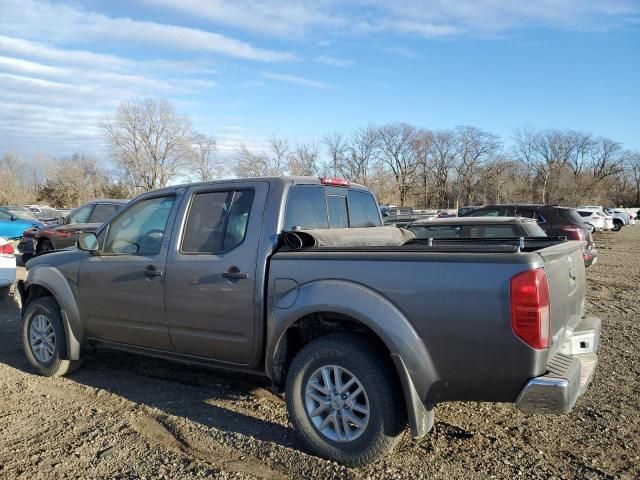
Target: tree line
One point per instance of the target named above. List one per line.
(151, 146)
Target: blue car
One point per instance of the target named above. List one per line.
(12, 226)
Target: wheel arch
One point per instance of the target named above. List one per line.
(324, 307)
(44, 281)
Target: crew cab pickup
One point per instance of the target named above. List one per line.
(364, 335)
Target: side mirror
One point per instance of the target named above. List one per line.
(61, 220)
(87, 241)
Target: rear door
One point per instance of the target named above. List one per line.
(211, 272)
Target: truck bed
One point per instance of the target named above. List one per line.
(456, 296)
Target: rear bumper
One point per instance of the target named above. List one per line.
(568, 373)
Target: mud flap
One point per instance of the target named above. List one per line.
(420, 417)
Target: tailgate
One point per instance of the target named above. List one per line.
(564, 266)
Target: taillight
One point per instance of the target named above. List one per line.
(335, 182)
(530, 308)
(6, 250)
(575, 233)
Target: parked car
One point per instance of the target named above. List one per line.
(592, 219)
(620, 217)
(552, 219)
(465, 210)
(62, 233)
(12, 225)
(7, 267)
(477, 227)
(609, 223)
(398, 216)
(20, 212)
(45, 213)
(348, 329)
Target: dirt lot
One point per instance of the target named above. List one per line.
(123, 416)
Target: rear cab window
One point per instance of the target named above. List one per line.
(318, 206)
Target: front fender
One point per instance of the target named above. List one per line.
(50, 278)
(363, 304)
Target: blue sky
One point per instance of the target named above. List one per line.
(247, 69)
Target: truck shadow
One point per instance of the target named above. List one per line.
(228, 402)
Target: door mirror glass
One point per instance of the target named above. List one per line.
(87, 241)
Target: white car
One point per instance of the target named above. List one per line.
(7, 267)
(592, 219)
(608, 219)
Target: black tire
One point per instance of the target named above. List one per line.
(48, 308)
(44, 246)
(387, 418)
(4, 293)
(617, 225)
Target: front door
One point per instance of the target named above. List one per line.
(122, 287)
(211, 276)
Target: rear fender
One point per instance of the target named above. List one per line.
(410, 357)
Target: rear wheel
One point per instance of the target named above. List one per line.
(44, 340)
(344, 400)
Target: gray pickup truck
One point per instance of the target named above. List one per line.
(363, 339)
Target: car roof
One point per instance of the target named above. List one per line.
(284, 180)
(474, 221)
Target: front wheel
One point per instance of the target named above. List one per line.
(617, 226)
(44, 340)
(44, 246)
(344, 400)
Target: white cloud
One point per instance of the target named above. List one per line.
(287, 78)
(280, 18)
(65, 24)
(423, 18)
(334, 62)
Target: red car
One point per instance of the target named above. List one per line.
(62, 233)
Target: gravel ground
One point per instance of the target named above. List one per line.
(123, 416)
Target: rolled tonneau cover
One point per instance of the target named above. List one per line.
(348, 237)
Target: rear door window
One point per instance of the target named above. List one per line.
(81, 215)
(217, 221)
(102, 212)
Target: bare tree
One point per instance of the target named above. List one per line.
(203, 148)
(475, 148)
(441, 157)
(359, 154)
(632, 161)
(395, 144)
(13, 184)
(422, 143)
(606, 158)
(336, 148)
(304, 160)
(149, 141)
(262, 164)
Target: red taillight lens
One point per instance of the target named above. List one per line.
(575, 233)
(6, 250)
(530, 308)
(336, 182)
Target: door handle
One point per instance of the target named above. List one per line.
(234, 273)
(151, 272)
